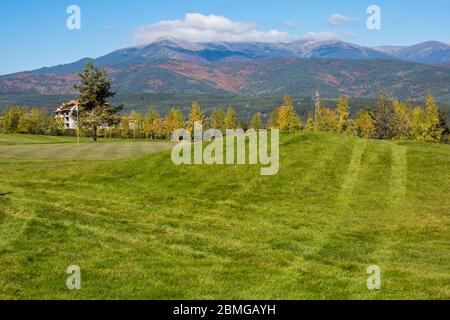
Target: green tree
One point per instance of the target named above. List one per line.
(231, 121)
(34, 121)
(383, 118)
(11, 119)
(218, 119)
(95, 90)
(256, 122)
(444, 125)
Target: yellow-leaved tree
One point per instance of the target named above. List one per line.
(310, 123)
(364, 124)
(174, 121)
(288, 120)
(230, 120)
(417, 124)
(256, 122)
(196, 115)
(401, 121)
(432, 124)
(149, 118)
(218, 119)
(342, 114)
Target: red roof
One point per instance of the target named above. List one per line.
(72, 103)
(67, 106)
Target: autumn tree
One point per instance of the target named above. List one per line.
(417, 124)
(94, 108)
(149, 118)
(196, 115)
(34, 121)
(327, 119)
(432, 122)
(125, 126)
(401, 123)
(364, 124)
(159, 128)
(273, 120)
(310, 123)
(136, 124)
(288, 120)
(218, 119)
(11, 119)
(231, 121)
(174, 121)
(256, 122)
(342, 114)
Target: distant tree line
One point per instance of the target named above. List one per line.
(389, 119)
(28, 121)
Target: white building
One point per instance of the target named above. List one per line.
(67, 112)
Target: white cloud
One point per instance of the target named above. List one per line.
(196, 27)
(339, 20)
(322, 36)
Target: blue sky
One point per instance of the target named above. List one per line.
(34, 34)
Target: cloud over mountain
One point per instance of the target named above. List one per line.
(321, 36)
(339, 20)
(196, 27)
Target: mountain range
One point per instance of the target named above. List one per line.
(257, 69)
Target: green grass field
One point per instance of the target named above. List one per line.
(23, 147)
(21, 139)
(143, 228)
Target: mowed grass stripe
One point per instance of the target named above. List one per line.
(419, 217)
(350, 243)
(351, 178)
(316, 217)
(92, 151)
(399, 172)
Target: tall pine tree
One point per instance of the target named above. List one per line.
(94, 108)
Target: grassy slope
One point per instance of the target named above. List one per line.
(144, 228)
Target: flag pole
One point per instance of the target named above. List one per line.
(78, 126)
